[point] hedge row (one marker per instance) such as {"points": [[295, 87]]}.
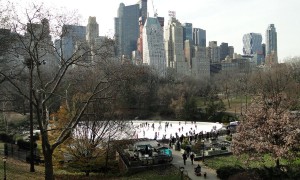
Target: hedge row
{"points": [[21, 143], [264, 173], [6, 138]]}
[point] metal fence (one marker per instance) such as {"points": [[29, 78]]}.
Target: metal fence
{"points": [[13, 150]]}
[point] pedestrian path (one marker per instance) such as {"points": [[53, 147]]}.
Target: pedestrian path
{"points": [[189, 168]]}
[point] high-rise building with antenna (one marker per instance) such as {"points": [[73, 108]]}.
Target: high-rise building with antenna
{"points": [[271, 45]]}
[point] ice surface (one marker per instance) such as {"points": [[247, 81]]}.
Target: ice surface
{"points": [[141, 130]]}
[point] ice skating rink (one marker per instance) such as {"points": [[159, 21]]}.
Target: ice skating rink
{"points": [[166, 129]]}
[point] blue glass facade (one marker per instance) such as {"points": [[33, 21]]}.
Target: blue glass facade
{"points": [[252, 44], [271, 39], [71, 35], [143, 10], [188, 31], [199, 37], [127, 26]]}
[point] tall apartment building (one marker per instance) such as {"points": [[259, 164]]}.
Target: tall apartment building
{"points": [[230, 51], [199, 37], [224, 51], [188, 53], [252, 46], [92, 33], [200, 64], [263, 49], [252, 43], [127, 28], [153, 46], [161, 21], [143, 10], [213, 52], [40, 32], [83, 43], [138, 54], [271, 45], [187, 31], [71, 34], [174, 47], [9, 42], [92, 30]]}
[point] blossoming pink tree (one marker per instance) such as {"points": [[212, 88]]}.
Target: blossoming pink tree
{"points": [[268, 125]]}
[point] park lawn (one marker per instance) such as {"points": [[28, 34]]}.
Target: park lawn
{"points": [[16, 169], [169, 173], [235, 103], [200, 102]]}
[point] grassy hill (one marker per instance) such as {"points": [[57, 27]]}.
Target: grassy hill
{"points": [[16, 170]]}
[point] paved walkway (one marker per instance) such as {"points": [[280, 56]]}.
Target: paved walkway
{"points": [[189, 168]]}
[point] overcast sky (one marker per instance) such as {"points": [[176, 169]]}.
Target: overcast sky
{"points": [[223, 20]]}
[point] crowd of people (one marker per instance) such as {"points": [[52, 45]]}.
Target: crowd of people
{"points": [[175, 129], [179, 134]]}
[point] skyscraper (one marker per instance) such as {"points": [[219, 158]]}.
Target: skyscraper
{"points": [[187, 31], [161, 21], [40, 33], [174, 47], [224, 51], [92, 30], [71, 35], [252, 43], [263, 49], [138, 54], [271, 44], [200, 64], [230, 51], [253, 47], [127, 28], [143, 10], [153, 46], [199, 37], [213, 52]]}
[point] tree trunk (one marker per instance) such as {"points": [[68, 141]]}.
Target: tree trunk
{"points": [[107, 150], [47, 152], [277, 163], [228, 101], [49, 174], [246, 101], [31, 118]]}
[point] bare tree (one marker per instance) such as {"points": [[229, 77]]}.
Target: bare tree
{"points": [[42, 64], [90, 143], [139, 93], [225, 79]]}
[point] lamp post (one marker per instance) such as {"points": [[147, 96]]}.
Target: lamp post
{"points": [[30, 65], [181, 172], [4, 167], [203, 150]]}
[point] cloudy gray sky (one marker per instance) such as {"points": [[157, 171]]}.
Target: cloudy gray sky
{"points": [[223, 20]]}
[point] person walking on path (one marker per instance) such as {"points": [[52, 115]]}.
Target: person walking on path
{"points": [[198, 169], [192, 156], [184, 156]]}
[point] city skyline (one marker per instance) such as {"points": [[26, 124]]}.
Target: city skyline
{"points": [[224, 21]]}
